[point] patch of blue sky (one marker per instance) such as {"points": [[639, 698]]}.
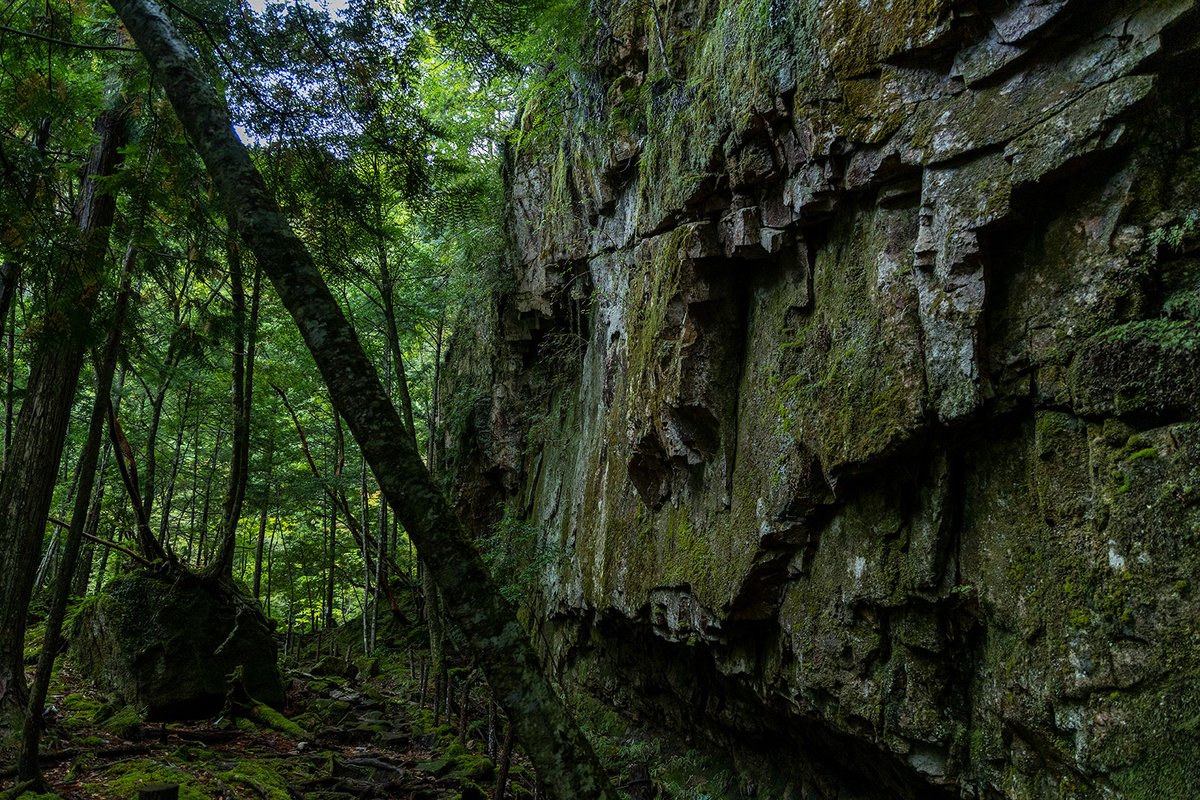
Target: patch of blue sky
{"points": [[333, 7]]}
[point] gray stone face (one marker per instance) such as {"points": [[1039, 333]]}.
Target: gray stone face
{"points": [[854, 375]]}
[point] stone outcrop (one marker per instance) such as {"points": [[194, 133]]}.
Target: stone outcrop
{"points": [[166, 643], [850, 359]]}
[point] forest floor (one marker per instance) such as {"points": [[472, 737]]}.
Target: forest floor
{"points": [[361, 728], [364, 735]]}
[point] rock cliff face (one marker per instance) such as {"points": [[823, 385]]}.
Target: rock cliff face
{"points": [[850, 361]]}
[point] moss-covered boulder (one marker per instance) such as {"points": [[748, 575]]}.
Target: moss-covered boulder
{"points": [[125, 724], [166, 642]]}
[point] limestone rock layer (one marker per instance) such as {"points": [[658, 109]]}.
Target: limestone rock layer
{"points": [[848, 363]]}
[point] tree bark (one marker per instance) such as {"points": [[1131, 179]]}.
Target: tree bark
{"points": [[201, 549], [235, 491], [262, 538], [27, 756], [11, 363], [336, 496], [127, 466], [10, 273], [28, 484], [431, 459], [169, 495], [192, 501], [83, 573], [437, 643], [504, 763], [386, 288], [156, 404], [366, 518], [558, 749], [329, 564]]}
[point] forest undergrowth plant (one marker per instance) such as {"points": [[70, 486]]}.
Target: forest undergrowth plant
{"points": [[634, 754], [518, 553], [1172, 236]]}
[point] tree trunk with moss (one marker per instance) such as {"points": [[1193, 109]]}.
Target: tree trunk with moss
{"points": [[27, 757], [558, 749], [28, 484]]}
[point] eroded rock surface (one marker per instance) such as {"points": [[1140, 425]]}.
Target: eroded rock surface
{"points": [[852, 362]]}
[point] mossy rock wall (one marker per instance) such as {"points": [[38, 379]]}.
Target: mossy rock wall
{"points": [[851, 362], [166, 643]]}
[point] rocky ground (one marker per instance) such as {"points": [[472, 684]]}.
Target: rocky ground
{"points": [[356, 728], [351, 726]]}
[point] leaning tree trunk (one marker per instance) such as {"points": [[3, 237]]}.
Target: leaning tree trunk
{"points": [[559, 751], [28, 484]]}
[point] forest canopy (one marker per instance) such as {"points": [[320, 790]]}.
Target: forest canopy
{"points": [[137, 294], [382, 145]]}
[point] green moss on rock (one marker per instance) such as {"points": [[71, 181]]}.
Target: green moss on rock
{"points": [[1147, 366], [122, 781], [261, 777], [166, 643], [125, 724]]}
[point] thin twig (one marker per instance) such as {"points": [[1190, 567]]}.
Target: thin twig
{"points": [[63, 524], [661, 47], [65, 43]]}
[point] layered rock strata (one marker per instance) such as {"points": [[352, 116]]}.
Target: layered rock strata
{"points": [[849, 363]]}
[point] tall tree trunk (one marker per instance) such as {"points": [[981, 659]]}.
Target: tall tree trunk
{"points": [[387, 287], [235, 491], [258, 551], [10, 273], [28, 484], [558, 749], [262, 520], [505, 762], [366, 517], [83, 573], [11, 280], [195, 484], [271, 563], [156, 407], [27, 757], [335, 495], [127, 466], [169, 495], [431, 458], [11, 365], [329, 563], [437, 643], [201, 550]]}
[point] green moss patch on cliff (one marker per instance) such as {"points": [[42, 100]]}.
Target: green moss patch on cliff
{"points": [[1149, 366], [853, 383]]}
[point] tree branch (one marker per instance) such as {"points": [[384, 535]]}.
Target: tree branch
{"points": [[76, 45], [111, 545]]}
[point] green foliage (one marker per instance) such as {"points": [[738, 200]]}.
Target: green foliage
{"points": [[382, 130], [1171, 236], [1169, 334], [518, 552], [677, 771]]}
